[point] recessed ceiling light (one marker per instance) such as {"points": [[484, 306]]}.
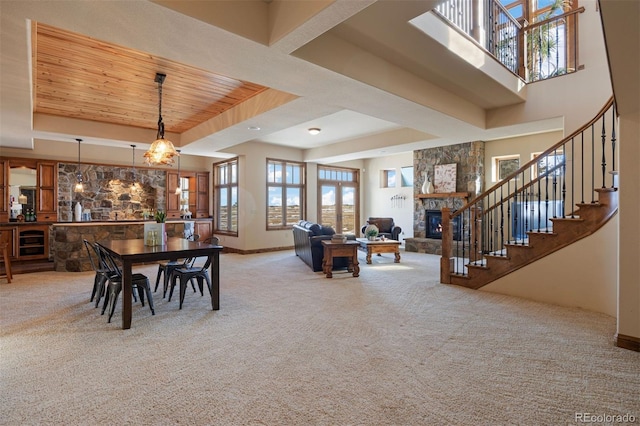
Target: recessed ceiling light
{"points": [[314, 130], [253, 128]]}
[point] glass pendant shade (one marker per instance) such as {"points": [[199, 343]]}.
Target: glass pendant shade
{"points": [[161, 152]]}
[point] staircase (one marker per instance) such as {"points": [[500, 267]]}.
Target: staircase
{"points": [[536, 210]]}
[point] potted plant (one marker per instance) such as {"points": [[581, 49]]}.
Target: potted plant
{"points": [[160, 216], [371, 232]]}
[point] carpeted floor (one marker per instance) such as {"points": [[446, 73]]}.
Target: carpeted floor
{"points": [[290, 347]]}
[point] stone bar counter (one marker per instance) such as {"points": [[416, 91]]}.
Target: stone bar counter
{"points": [[67, 248]]}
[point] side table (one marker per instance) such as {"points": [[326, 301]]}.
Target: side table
{"points": [[348, 249]]}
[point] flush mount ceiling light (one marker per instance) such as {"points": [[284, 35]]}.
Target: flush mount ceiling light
{"points": [[162, 150], [79, 186], [314, 131]]}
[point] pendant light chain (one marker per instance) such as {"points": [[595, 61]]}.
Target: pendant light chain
{"points": [[160, 134]]}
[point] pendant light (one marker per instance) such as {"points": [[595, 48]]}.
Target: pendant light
{"points": [[133, 164], [79, 185], [178, 189], [162, 150]]}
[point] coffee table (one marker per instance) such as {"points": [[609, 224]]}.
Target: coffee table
{"points": [[380, 246]]}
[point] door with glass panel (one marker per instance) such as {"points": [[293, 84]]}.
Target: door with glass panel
{"points": [[338, 199]]}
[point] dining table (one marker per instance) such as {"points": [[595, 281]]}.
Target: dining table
{"points": [[135, 251]]}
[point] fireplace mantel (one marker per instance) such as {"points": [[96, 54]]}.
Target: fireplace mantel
{"points": [[464, 195]]}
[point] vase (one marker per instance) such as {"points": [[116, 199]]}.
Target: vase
{"points": [[427, 186], [78, 212]]}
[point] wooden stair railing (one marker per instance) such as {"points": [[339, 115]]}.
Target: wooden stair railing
{"points": [[536, 210]]}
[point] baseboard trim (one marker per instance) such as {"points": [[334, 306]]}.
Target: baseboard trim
{"points": [[628, 342], [263, 250]]}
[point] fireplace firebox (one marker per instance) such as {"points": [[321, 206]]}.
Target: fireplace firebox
{"points": [[434, 225]]}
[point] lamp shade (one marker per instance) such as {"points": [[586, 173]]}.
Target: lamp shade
{"points": [[161, 152]]}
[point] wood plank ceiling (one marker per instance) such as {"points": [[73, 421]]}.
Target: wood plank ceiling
{"points": [[79, 77]]}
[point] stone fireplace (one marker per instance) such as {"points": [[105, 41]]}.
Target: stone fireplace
{"points": [[469, 160]]}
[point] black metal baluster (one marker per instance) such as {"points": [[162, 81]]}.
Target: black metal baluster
{"points": [[546, 199], [539, 196], [515, 208], [501, 245], [593, 162], [582, 168], [604, 159], [614, 121], [573, 203], [563, 177]]}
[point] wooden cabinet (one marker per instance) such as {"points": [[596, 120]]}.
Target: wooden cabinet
{"points": [[202, 195], [26, 242], [42, 192], [173, 199], [8, 234], [47, 207], [203, 228], [194, 195], [33, 242]]}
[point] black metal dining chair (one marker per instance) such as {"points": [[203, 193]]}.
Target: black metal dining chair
{"points": [[167, 268], [101, 270], [140, 282], [187, 274]]}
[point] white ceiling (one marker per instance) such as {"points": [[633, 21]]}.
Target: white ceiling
{"points": [[364, 74]]}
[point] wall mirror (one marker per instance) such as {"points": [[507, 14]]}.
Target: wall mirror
{"points": [[22, 190]]}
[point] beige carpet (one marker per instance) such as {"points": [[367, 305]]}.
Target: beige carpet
{"points": [[290, 347]]}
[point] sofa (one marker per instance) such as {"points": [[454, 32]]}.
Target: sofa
{"points": [[386, 227], [307, 241]]}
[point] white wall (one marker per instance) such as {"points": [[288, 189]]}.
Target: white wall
{"points": [[377, 201], [523, 146], [562, 278]]}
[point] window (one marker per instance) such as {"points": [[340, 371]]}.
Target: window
{"points": [[338, 199], [388, 179], [285, 193], [549, 41], [551, 164], [226, 196], [406, 176], [505, 165]]}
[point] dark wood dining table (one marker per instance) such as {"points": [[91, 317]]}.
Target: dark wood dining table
{"points": [[135, 251]]}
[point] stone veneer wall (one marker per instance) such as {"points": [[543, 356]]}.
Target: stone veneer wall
{"points": [[469, 158], [109, 190], [69, 253]]}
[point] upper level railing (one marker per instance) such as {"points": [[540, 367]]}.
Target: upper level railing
{"points": [[534, 51], [549, 186]]}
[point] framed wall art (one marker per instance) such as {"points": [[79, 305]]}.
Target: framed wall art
{"points": [[445, 178]]}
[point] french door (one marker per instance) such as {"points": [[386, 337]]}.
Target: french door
{"points": [[338, 201]]}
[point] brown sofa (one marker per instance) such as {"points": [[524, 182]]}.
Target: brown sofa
{"points": [[386, 227]]}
